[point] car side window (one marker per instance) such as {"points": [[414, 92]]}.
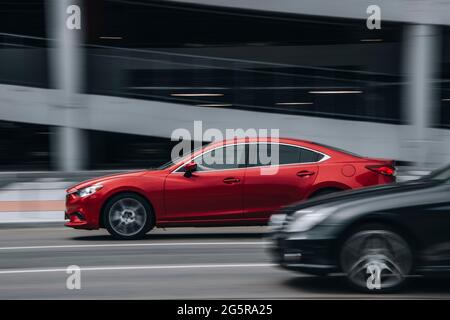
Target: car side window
{"points": [[261, 155], [310, 156], [228, 157]]}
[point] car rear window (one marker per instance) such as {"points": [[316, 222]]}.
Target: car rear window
{"points": [[289, 155], [338, 149]]}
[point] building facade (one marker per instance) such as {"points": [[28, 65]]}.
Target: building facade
{"points": [[110, 95]]}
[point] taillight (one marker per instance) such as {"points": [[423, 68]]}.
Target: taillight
{"points": [[382, 169]]}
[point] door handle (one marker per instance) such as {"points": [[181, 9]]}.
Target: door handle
{"points": [[231, 180], [305, 173]]}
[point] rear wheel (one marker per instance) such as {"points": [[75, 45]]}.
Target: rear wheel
{"points": [[128, 216], [376, 259]]}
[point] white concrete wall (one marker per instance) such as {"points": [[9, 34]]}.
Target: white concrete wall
{"points": [[411, 11], [155, 118]]}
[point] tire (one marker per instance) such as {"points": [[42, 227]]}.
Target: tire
{"points": [[376, 259], [128, 216]]}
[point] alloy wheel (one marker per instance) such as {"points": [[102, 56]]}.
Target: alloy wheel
{"points": [[127, 216]]}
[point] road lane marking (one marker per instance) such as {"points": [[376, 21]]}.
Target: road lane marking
{"points": [[153, 267], [80, 246]]}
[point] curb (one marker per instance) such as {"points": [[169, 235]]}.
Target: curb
{"points": [[26, 219], [32, 224]]}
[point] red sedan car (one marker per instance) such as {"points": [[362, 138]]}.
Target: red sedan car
{"points": [[194, 191]]}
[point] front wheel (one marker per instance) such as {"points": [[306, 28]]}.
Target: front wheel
{"points": [[376, 260], [128, 216]]}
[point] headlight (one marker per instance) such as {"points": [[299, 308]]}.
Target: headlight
{"points": [[306, 219], [276, 221], [89, 190]]}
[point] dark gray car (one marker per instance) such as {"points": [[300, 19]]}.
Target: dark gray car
{"points": [[377, 236]]}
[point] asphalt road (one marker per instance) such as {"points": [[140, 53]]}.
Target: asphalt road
{"points": [[187, 263]]}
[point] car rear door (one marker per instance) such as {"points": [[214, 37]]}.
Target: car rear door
{"points": [[288, 181]]}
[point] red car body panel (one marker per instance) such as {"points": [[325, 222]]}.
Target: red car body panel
{"points": [[241, 196], [204, 195], [263, 193]]}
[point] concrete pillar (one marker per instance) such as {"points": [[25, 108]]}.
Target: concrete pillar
{"points": [[66, 66], [421, 56]]}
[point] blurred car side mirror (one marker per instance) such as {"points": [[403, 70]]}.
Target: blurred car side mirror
{"points": [[189, 168]]}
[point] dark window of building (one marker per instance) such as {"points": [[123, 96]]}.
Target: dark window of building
{"points": [[127, 151], [203, 56], [24, 146], [23, 44], [443, 116]]}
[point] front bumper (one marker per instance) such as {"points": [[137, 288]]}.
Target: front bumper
{"points": [[76, 221], [82, 213], [314, 256]]}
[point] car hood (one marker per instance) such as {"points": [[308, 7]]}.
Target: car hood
{"points": [[105, 178], [370, 194]]}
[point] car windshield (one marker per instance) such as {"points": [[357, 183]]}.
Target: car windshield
{"points": [[179, 159], [441, 174], [168, 164]]}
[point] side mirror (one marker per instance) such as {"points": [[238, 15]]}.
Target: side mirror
{"points": [[189, 168]]}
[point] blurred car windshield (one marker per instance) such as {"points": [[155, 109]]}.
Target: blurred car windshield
{"points": [[441, 174]]}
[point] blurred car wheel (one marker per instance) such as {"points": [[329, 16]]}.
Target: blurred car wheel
{"points": [[376, 259], [128, 216]]}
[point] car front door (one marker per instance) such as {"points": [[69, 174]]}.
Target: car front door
{"points": [[213, 193], [286, 182]]}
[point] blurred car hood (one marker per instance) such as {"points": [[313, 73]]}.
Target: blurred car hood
{"points": [[363, 194]]}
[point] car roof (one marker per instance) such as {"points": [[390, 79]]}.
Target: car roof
{"points": [[261, 139], [282, 140], [331, 151]]}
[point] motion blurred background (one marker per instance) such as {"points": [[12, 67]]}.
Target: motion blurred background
{"points": [[74, 103]]}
